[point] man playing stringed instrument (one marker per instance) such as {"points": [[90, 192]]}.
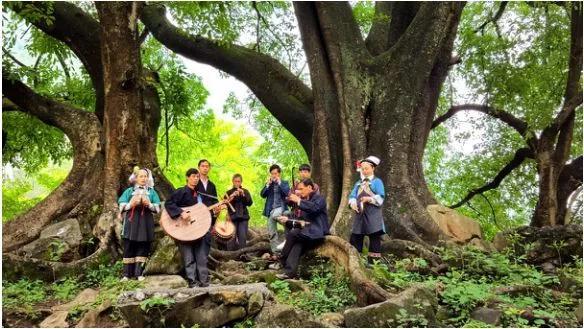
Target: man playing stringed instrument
{"points": [[193, 253]]}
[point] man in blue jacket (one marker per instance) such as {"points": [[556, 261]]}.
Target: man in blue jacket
{"points": [[275, 193], [307, 232]]}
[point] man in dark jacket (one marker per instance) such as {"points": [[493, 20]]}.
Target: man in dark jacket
{"points": [[209, 196], [307, 232], [275, 193], [241, 199]]}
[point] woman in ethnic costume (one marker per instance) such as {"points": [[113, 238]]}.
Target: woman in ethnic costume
{"points": [[138, 204], [366, 200]]}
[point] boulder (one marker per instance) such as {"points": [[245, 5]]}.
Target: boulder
{"points": [[165, 282], [458, 227], [213, 306], [57, 242], [332, 319], [487, 315], [91, 318], [418, 300], [165, 259], [56, 320], [286, 316]]}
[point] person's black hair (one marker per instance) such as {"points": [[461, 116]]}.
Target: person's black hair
{"points": [[275, 166], [192, 171], [237, 176], [307, 182], [203, 160], [304, 166]]}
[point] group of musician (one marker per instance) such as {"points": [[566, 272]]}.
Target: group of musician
{"points": [[301, 209]]}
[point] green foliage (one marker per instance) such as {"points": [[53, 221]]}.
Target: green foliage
{"points": [[246, 323], [23, 295], [329, 292], [56, 250], [156, 302], [476, 279], [14, 198], [64, 290], [405, 319]]}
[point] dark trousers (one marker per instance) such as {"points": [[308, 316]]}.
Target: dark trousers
{"points": [[135, 255], [194, 255], [374, 241], [241, 233], [296, 244]]}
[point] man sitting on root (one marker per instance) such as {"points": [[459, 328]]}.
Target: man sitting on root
{"points": [[305, 233]]}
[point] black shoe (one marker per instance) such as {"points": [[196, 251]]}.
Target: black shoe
{"points": [[203, 284], [193, 284]]}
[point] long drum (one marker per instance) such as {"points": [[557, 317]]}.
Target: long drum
{"points": [[190, 229]]}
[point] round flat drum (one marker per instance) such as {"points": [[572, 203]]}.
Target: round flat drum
{"points": [[187, 230]]}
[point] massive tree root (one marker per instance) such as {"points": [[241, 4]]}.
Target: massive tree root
{"points": [[344, 255]]}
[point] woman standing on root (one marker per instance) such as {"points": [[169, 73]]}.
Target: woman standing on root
{"points": [[366, 200], [137, 205]]}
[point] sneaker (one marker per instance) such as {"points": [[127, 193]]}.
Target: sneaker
{"points": [[124, 279], [281, 246], [193, 284], [141, 278], [275, 266], [282, 276], [203, 284]]}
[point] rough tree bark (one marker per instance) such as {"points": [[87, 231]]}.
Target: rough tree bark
{"points": [[128, 127], [368, 97]]}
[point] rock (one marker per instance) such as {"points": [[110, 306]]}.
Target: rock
{"points": [[56, 320], [487, 315], [455, 225], [482, 244], [164, 282], [548, 268], [579, 311], [91, 317], [57, 242], [298, 285], [286, 316], [417, 300], [554, 244], [231, 267], [255, 303], [235, 297], [165, 259], [332, 319], [213, 306], [87, 296], [267, 276]]}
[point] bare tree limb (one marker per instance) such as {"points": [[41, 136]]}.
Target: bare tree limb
{"points": [[144, 35], [520, 156], [286, 96], [494, 18], [508, 118]]}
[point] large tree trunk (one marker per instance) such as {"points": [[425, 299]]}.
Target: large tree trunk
{"points": [[104, 153], [381, 105]]}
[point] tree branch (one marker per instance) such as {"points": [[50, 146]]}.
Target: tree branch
{"points": [[80, 32], [283, 94], [508, 118], [377, 40], [337, 22], [14, 59], [62, 116], [517, 160], [494, 18], [144, 35], [402, 15]]}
